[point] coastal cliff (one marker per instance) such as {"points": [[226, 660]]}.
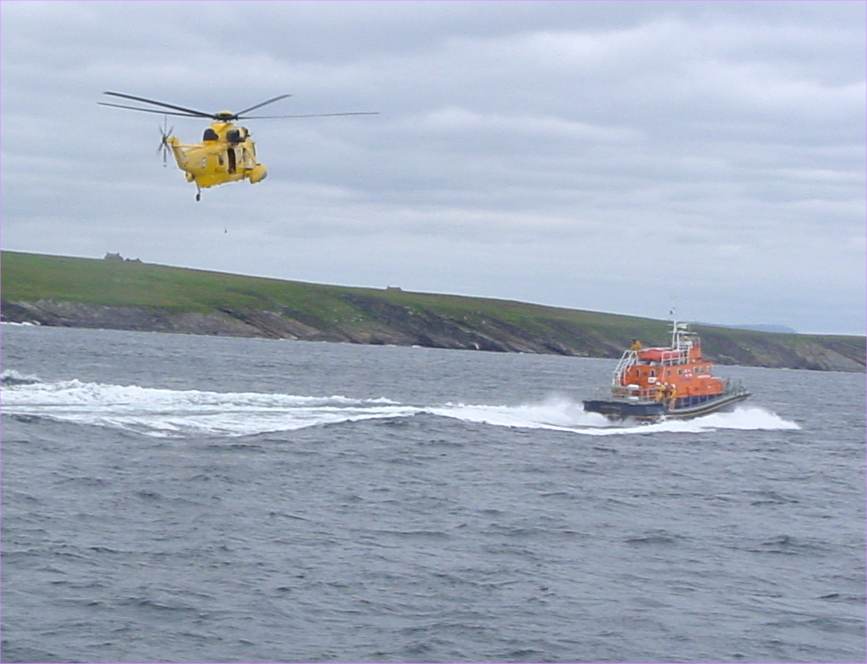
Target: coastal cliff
{"points": [[128, 295]]}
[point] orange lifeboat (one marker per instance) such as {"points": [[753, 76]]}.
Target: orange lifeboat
{"points": [[665, 382]]}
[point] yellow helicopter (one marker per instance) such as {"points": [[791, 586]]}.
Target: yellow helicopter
{"points": [[226, 153]]}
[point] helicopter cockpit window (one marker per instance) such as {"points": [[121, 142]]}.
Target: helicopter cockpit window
{"points": [[210, 135]]}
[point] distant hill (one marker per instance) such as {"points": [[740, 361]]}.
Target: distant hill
{"points": [[129, 295], [758, 327]]}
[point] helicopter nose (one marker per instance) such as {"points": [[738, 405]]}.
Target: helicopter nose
{"points": [[258, 173]]}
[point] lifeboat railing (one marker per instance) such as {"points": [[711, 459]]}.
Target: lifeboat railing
{"points": [[671, 357], [628, 359], [732, 387], [682, 342], [641, 393]]}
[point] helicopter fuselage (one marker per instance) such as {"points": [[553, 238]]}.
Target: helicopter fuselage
{"points": [[226, 154]]}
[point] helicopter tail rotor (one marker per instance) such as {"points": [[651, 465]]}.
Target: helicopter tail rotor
{"points": [[165, 132]]}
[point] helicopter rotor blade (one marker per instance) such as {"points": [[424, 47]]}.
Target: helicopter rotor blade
{"points": [[192, 111], [308, 115], [148, 110], [165, 132], [264, 103], [162, 147]]}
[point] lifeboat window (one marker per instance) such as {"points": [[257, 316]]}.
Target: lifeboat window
{"points": [[653, 372]]}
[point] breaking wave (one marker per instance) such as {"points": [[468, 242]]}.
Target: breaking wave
{"points": [[181, 413], [12, 377]]}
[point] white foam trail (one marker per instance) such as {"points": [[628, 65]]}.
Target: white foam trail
{"points": [[743, 418], [566, 415], [555, 413], [166, 412]]}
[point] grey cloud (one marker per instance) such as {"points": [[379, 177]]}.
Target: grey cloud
{"points": [[610, 156]]}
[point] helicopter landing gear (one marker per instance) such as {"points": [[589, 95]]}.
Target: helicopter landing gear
{"points": [[198, 194]]}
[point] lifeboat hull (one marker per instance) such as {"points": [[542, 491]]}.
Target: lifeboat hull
{"points": [[721, 403], [653, 411], [623, 409]]}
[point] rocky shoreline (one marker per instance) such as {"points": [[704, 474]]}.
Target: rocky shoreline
{"points": [[389, 323]]}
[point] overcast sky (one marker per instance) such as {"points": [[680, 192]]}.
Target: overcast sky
{"points": [[614, 156]]}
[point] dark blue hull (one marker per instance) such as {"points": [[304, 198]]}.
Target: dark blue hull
{"points": [[616, 409], [622, 409]]}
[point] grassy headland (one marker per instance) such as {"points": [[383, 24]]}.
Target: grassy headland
{"points": [[82, 292]]}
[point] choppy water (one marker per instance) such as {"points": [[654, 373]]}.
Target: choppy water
{"points": [[180, 498]]}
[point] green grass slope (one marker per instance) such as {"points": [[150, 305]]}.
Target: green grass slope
{"points": [[56, 290]]}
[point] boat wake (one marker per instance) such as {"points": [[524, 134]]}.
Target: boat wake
{"points": [[185, 413], [567, 415]]}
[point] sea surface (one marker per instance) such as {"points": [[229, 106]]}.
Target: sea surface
{"points": [[182, 498]]}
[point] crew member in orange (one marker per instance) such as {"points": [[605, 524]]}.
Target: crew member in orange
{"points": [[666, 392]]}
